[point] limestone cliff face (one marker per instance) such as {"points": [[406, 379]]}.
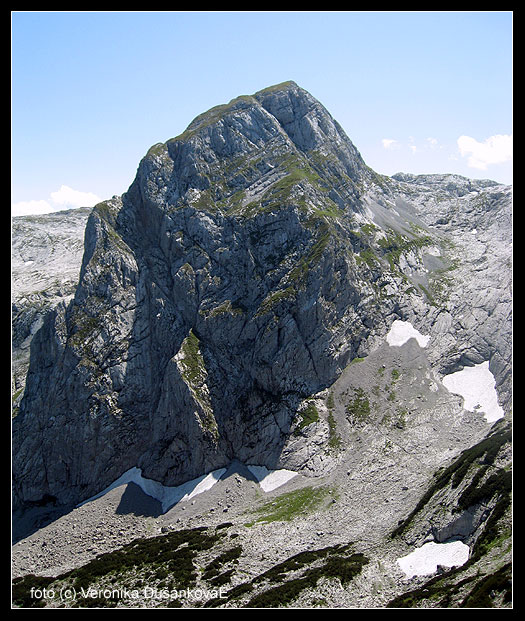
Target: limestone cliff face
{"points": [[252, 258], [46, 252]]}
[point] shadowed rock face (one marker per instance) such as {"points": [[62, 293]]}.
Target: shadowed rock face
{"points": [[252, 258], [46, 253]]}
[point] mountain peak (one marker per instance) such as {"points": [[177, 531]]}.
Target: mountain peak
{"points": [[215, 113], [251, 259], [247, 145], [281, 86]]}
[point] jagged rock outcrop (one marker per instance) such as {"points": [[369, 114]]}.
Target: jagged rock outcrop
{"points": [[252, 258]]}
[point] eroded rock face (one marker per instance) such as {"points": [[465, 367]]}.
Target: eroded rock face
{"points": [[252, 258], [46, 253]]}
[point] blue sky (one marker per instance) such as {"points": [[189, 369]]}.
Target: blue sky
{"points": [[420, 92]]}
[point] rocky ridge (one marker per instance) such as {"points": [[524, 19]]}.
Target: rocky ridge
{"points": [[233, 306], [46, 253]]}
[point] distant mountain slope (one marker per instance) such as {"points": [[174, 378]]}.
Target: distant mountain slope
{"points": [[46, 253]]}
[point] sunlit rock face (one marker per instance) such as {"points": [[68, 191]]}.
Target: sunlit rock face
{"points": [[251, 260]]}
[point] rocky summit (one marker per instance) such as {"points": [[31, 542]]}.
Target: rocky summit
{"points": [[261, 304]]}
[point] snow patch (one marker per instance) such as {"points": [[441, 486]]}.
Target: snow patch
{"points": [[424, 560], [167, 496], [403, 331], [271, 479], [477, 386]]}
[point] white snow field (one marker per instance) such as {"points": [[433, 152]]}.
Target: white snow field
{"points": [[424, 560], [167, 496], [402, 331], [271, 479], [477, 386]]}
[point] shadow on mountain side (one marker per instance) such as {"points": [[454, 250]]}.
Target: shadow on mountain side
{"points": [[136, 502], [28, 521]]}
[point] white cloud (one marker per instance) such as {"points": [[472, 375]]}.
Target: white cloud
{"points": [[389, 143], [494, 150], [64, 198], [73, 198]]}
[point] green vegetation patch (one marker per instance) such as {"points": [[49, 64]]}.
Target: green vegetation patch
{"points": [[308, 415], [213, 569], [83, 327], [358, 408], [193, 362], [293, 504], [334, 439], [24, 588], [297, 573], [274, 298], [297, 170], [395, 244], [175, 552], [225, 308], [486, 452], [275, 88], [193, 371], [299, 561], [368, 257], [345, 568], [299, 273], [485, 591], [498, 483], [171, 556], [472, 592], [208, 118]]}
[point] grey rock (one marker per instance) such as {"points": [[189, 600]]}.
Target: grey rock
{"points": [[46, 253], [251, 260]]}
